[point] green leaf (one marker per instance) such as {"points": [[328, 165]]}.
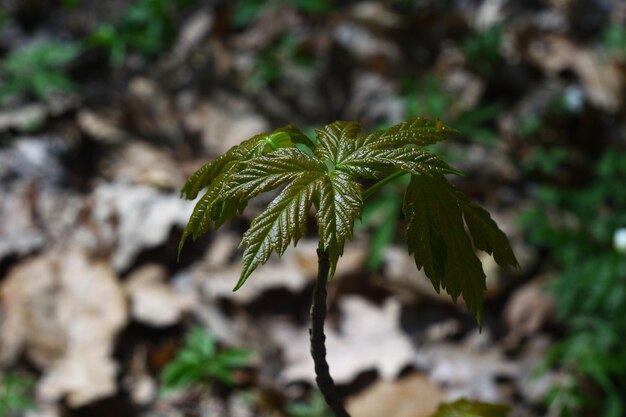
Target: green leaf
{"points": [[268, 172], [199, 361], [201, 341], [339, 205], [371, 161], [326, 172], [248, 149], [38, 69], [330, 140], [16, 394], [296, 135], [485, 232], [284, 220], [315, 407], [314, 6], [437, 238], [465, 408], [211, 207], [417, 131], [246, 12], [204, 176], [424, 237], [218, 176], [235, 358]]}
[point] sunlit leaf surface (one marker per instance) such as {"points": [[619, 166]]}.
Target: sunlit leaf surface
{"points": [[325, 173]]}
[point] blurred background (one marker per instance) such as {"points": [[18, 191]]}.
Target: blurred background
{"points": [[107, 106]]}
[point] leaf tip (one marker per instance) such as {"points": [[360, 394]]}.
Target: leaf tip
{"points": [[181, 243], [478, 315], [246, 271], [242, 279]]}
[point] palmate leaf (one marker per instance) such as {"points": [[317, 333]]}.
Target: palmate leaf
{"points": [[269, 171], [282, 222], [218, 176], [210, 171], [371, 161], [326, 173], [435, 213], [437, 238], [418, 131], [485, 232], [340, 203], [331, 140], [211, 207]]}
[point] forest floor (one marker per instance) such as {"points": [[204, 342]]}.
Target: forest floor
{"points": [[107, 107]]}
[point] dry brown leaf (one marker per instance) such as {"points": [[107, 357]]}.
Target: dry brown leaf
{"points": [[528, 310], [18, 232], [412, 396], [219, 282], [152, 300], [23, 117], [369, 338], [374, 98], [151, 110], [364, 44], [86, 374], [601, 78], [138, 382], [470, 369], [144, 164], [64, 310], [222, 123], [102, 125], [406, 281], [293, 271], [216, 278], [131, 218], [192, 33]]}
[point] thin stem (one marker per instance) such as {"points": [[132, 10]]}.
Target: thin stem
{"points": [[318, 339], [368, 193]]}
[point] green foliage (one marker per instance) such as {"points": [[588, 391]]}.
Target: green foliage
{"points": [[3, 18], [200, 361], [146, 26], [476, 123], [37, 70], [315, 407], [614, 40], [577, 227], [482, 50], [465, 408], [247, 11], [545, 160], [436, 211], [428, 97], [15, 394], [325, 173], [529, 125], [70, 4], [271, 61], [425, 97], [267, 70]]}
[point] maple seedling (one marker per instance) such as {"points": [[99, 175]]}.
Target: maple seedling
{"points": [[444, 228]]}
